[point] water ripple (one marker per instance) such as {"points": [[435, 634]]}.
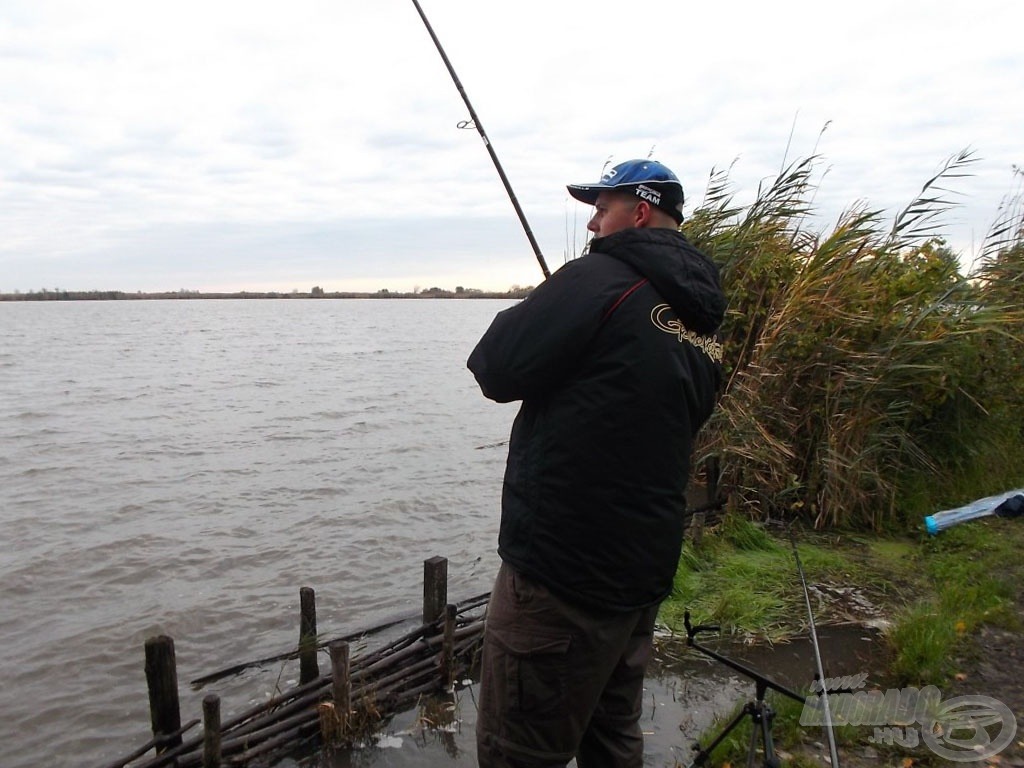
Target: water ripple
{"points": [[183, 468]]}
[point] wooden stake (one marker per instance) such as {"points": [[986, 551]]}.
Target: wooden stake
{"points": [[448, 648], [162, 679], [390, 678], [435, 588], [697, 528], [712, 471], [342, 683], [308, 668], [211, 731]]}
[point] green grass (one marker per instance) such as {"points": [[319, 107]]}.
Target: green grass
{"points": [[922, 641], [745, 579], [972, 572], [939, 591], [936, 590], [891, 552]]}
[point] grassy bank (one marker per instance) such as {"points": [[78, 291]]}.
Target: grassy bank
{"points": [[930, 595]]}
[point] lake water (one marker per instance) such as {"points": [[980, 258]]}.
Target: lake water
{"points": [[185, 467]]}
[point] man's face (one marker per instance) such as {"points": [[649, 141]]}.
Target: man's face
{"points": [[613, 211]]}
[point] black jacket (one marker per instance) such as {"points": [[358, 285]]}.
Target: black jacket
{"points": [[615, 360]]}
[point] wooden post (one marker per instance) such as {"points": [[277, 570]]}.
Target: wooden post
{"points": [[162, 679], [711, 475], [342, 683], [448, 648], [308, 668], [435, 588], [211, 731], [697, 528]]}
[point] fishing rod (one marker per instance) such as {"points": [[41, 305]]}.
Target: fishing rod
{"points": [[834, 753], [474, 121]]}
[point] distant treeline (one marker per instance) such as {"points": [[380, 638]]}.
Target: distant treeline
{"points": [[515, 292]]}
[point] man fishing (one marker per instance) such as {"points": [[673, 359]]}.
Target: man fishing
{"points": [[616, 362]]}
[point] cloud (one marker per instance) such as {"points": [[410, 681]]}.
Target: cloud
{"points": [[129, 126]]}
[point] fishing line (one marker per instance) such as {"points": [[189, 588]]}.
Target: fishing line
{"points": [[474, 122]]}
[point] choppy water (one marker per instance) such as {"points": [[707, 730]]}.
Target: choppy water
{"points": [[184, 467]]}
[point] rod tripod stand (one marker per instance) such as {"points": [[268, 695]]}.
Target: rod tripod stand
{"points": [[759, 711]]}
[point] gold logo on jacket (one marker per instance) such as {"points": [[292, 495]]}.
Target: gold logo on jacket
{"points": [[664, 320]]}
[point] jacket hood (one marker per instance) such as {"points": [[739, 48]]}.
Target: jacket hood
{"points": [[686, 278]]}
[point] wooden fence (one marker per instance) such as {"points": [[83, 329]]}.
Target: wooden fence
{"points": [[358, 694], [350, 702]]}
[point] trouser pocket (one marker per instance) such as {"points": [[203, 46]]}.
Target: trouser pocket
{"points": [[536, 672]]}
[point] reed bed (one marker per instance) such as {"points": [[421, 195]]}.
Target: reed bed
{"points": [[859, 360]]}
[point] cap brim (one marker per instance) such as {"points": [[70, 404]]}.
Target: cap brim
{"points": [[585, 194], [671, 203]]}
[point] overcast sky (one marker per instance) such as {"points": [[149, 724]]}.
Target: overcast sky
{"points": [[223, 145]]}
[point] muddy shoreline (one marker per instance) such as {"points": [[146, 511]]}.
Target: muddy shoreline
{"points": [[685, 692]]}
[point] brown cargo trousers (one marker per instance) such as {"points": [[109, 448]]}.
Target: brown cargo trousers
{"points": [[558, 681]]}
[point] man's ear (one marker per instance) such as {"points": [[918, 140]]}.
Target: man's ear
{"points": [[642, 215]]}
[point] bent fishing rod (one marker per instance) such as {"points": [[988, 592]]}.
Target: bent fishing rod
{"points": [[474, 122]]}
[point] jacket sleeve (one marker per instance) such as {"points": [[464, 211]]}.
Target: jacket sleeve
{"points": [[531, 347]]}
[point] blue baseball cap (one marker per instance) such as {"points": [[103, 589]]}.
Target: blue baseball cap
{"points": [[647, 179]]}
